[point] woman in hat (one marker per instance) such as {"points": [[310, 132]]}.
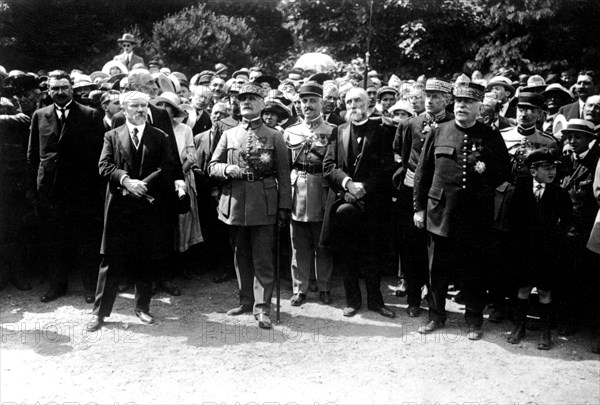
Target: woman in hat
{"points": [[189, 232]]}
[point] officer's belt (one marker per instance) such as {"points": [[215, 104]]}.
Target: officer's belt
{"points": [[308, 167], [252, 177]]}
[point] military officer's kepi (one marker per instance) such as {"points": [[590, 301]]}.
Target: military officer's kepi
{"points": [[435, 84], [252, 88], [311, 89], [465, 88], [531, 100], [541, 157]]}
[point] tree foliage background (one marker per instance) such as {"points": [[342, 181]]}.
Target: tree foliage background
{"points": [[407, 37]]}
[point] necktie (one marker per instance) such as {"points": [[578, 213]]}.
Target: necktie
{"points": [[127, 64], [136, 140], [538, 192], [61, 115]]}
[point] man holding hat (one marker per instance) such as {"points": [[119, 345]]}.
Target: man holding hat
{"points": [[64, 146], [582, 267], [408, 143], [357, 166], [462, 163], [525, 137], [308, 142], [251, 159], [128, 58], [136, 160]]}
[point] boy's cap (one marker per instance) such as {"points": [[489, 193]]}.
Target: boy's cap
{"points": [[542, 156]]}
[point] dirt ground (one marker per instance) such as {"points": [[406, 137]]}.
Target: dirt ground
{"points": [[197, 354]]}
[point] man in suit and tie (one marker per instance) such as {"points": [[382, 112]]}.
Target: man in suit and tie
{"points": [[331, 95], [252, 161], [584, 87], [141, 80], [358, 165], [136, 160], [128, 58], [64, 145]]}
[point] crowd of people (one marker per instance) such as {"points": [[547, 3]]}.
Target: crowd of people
{"points": [[491, 185]]}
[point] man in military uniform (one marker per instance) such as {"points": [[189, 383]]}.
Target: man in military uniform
{"points": [[462, 163], [408, 143], [308, 142], [525, 137], [252, 161]]}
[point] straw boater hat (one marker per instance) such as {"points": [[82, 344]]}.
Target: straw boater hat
{"points": [[535, 84], [579, 126]]}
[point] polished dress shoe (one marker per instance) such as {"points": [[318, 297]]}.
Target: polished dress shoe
{"points": [[228, 275], [95, 323], [413, 311], [51, 295], [431, 327], [264, 322], [242, 309], [325, 297], [170, 287], [475, 332], [385, 311], [298, 299], [144, 317], [349, 311]]}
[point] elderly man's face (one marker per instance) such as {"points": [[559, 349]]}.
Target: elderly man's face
{"points": [[591, 110], [60, 91], [435, 102], [356, 105], [136, 111], [466, 110], [311, 106], [584, 86], [251, 106], [528, 116]]}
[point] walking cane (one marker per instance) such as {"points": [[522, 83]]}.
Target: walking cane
{"points": [[277, 274]]}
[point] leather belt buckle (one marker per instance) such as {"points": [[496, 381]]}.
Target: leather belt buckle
{"points": [[250, 177]]}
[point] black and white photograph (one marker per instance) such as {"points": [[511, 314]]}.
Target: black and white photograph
{"points": [[321, 202]]}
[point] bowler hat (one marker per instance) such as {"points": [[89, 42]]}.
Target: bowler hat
{"points": [[273, 81], [18, 84], [528, 99]]}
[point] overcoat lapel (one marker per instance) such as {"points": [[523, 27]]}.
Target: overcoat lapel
{"points": [[125, 145], [345, 143]]}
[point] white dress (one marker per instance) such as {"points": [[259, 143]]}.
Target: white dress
{"points": [[188, 232]]}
